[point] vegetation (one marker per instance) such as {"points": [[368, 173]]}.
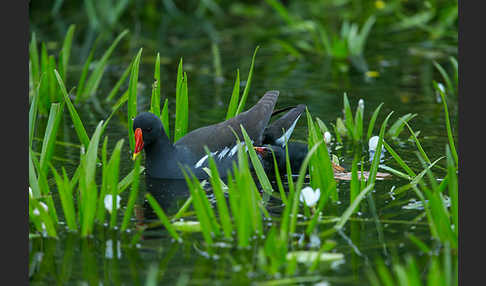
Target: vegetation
{"points": [[256, 227]]}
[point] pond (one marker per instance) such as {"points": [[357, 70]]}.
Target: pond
{"points": [[396, 69]]}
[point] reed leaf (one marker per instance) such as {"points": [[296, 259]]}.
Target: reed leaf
{"points": [[376, 158], [84, 74], [257, 165], [118, 84], [235, 95], [372, 121], [95, 77], [66, 51], [164, 117], [133, 195], [448, 125], [88, 188], [155, 100], [67, 199], [78, 124], [353, 206], [397, 127], [132, 98], [224, 215], [112, 180], [162, 217], [241, 105], [48, 144], [34, 60], [182, 106]]}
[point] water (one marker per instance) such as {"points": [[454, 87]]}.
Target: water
{"points": [[404, 85]]}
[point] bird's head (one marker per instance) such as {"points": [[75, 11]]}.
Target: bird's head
{"points": [[148, 128]]}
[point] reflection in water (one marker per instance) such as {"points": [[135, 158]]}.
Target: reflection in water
{"points": [[169, 193]]}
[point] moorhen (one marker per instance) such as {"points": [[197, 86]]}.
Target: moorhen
{"points": [[164, 159], [297, 153]]}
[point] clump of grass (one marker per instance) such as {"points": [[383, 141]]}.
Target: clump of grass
{"points": [[82, 187], [439, 271], [43, 77]]}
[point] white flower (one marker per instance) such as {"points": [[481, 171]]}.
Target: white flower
{"points": [[361, 103], [109, 202], [327, 137], [310, 196], [44, 206], [372, 145], [441, 87]]}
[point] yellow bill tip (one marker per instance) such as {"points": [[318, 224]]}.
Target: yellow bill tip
{"points": [[135, 155]]}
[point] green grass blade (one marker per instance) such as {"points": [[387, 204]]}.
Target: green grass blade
{"points": [[48, 144], [241, 105], [417, 143], [34, 107], [235, 96], [127, 181], [399, 160], [257, 165], [448, 125], [281, 11], [162, 217], [112, 180], [281, 189], [34, 60], [95, 77], [352, 207], [453, 189], [118, 84], [372, 121], [445, 76], [183, 209], [33, 181], [164, 117], [182, 109], [299, 185], [376, 158], [67, 200], [80, 93], [224, 215], [349, 121], [397, 127], [88, 186], [155, 100], [78, 124], [133, 195], [66, 51], [132, 98]]}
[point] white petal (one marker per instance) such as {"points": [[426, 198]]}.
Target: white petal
{"points": [[309, 196], [44, 206], [327, 137], [109, 202], [373, 143], [361, 103]]}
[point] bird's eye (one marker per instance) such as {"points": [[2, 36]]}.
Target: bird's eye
{"points": [[149, 129]]}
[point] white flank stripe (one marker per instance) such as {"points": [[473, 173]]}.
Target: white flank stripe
{"points": [[223, 153], [201, 161], [282, 140]]}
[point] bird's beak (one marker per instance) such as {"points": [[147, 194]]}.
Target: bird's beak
{"points": [[138, 143], [260, 150]]}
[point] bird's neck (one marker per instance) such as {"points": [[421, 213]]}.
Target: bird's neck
{"points": [[160, 152]]}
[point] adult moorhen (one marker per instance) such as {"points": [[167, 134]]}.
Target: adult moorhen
{"points": [[164, 159]]}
